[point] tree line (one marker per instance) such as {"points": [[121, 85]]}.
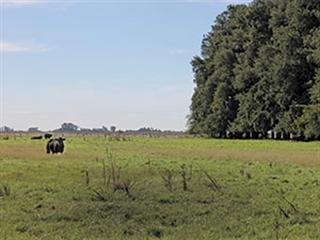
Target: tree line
{"points": [[259, 70]]}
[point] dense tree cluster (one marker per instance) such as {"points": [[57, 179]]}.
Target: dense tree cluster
{"points": [[259, 70]]}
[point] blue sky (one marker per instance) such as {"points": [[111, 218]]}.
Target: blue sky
{"points": [[95, 63]]}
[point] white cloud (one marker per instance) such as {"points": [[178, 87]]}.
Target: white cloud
{"points": [[60, 5], [19, 2], [12, 47]]}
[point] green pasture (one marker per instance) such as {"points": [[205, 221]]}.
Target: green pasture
{"points": [[167, 187]]}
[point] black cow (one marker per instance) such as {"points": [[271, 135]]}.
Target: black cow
{"points": [[55, 145], [47, 135], [36, 138]]}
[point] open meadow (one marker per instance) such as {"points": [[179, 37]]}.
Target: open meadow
{"points": [[166, 187]]}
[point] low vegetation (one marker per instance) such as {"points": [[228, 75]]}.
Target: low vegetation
{"points": [[168, 188]]}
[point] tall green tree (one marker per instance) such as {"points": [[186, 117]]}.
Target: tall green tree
{"points": [[259, 69]]}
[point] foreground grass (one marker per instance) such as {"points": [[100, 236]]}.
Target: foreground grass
{"points": [[258, 189]]}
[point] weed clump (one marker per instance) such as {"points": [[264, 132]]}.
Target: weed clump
{"points": [[156, 232], [168, 178], [212, 182], [22, 228], [186, 175], [5, 190], [113, 180]]}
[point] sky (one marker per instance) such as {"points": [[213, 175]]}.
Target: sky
{"points": [[101, 63]]}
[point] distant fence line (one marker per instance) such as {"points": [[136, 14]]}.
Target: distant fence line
{"points": [[271, 135], [294, 136]]}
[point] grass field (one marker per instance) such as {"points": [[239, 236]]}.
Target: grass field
{"points": [[168, 188]]}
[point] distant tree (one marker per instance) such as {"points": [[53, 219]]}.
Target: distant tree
{"points": [[6, 129], [69, 127], [33, 129], [148, 130], [113, 129]]}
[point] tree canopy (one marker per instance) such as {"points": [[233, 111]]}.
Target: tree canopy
{"points": [[259, 70]]}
